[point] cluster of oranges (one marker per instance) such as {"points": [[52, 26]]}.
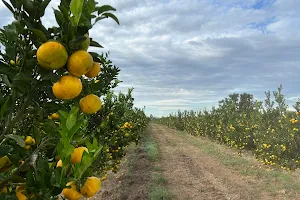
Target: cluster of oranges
{"points": [[6, 165], [273, 136], [294, 121], [126, 125], [29, 141], [266, 146], [21, 191], [91, 185], [53, 56], [89, 189], [54, 116]]}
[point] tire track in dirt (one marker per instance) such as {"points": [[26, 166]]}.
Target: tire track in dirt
{"points": [[191, 175]]}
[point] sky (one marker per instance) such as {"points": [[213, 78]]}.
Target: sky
{"points": [[189, 54]]}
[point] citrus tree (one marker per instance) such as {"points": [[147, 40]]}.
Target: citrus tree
{"points": [[61, 126], [268, 128]]}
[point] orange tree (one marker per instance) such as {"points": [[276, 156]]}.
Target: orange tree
{"points": [[56, 131], [267, 128]]}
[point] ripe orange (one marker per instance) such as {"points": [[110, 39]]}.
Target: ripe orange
{"points": [[77, 155], [54, 116], [91, 187], [79, 63], [29, 140], [21, 196], [94, 71], [71, 193], [19, 193], [90, 104], [68, 87], [52, 55]]}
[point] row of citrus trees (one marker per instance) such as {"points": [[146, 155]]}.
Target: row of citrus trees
{"points": [[61, 126], [267, 128]]}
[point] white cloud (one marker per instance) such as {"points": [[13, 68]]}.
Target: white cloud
{"points": [[188, 54]]}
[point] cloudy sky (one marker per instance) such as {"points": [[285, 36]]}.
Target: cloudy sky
{"points": [[189, 54]]}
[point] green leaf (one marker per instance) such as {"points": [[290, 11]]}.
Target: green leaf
{"points": [[49, 127], [74, 129], [64, 150], [57, 174], [30, 179], [6, 69], [98, 19], [85, 20], [10, 50], [74, 110], [85, 163], [86, 160], [47, 75], [8, 6], [71, 31], [3, 108], [59, 17], [94, 55], [105, 8], [18, 25], [71, 121], [76, 43], [22, 81], [39, 34], [95, 44], [63, 114], [95, 143], [76, 9], [22, 76], [37, 133], [17, 179], [65, 12], [97, 152], [4, 150], [29, 64], [41, 27], [90, 6], [28, 23], [18, 4], [44, 5], [81, 30], [42, 164], [89, 146], [29, 7], [12, 35], [17, 138], [111, 16]]}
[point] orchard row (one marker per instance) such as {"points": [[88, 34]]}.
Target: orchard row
{"points": [[268, 128]]}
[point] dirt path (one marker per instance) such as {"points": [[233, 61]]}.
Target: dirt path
{"points": [[192, 174], [132, 180]]}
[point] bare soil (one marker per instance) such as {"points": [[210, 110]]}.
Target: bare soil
{"points": [[131, 182]]}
